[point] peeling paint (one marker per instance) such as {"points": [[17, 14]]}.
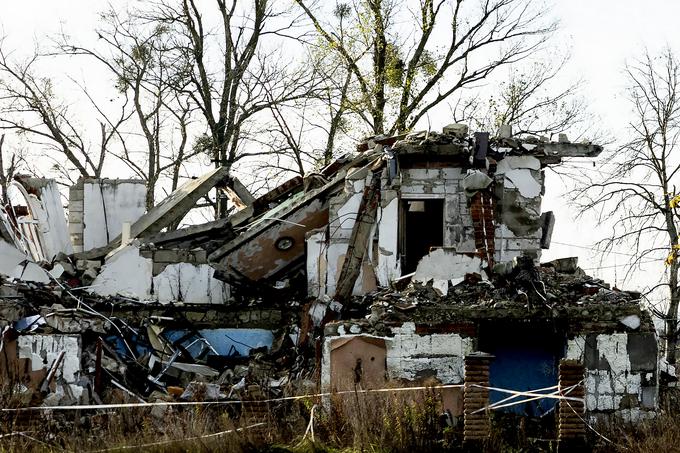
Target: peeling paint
{"points": [[107, 204], [191, 284], [125, 273]]}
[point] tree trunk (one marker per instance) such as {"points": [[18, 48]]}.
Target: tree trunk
{"points": [[379, 65], [672, 315]]}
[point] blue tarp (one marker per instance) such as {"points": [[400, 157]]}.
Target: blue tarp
{"points": [[522, 368], [226, 342]]}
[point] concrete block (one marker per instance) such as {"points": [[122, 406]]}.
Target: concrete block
{"points": [[413, 189], [458, 130], [441, 189], [75, 207], [393, 366], [394, 347], [405, 329], [75, 217], [168, 256], [158, 268], [612, 349], [650, 397], [576, 348], [146, 253], [75, 228], [604, 385], [76, 195], [408, 346], [443, 344], [467, 346], [423, 173], [522, 244], [590, 382], [452, 173], [605, 402], [591, 402], [200, 256], [244, 316], [627, 383]]}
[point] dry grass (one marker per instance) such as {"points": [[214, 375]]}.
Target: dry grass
{"points": [[385, 422], [398, 422], [658, 435], [128, 430]]}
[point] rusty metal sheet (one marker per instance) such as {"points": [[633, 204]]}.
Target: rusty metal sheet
{"points": [[260, 258]]}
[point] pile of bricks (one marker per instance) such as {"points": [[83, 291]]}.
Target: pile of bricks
{"points": [[572, 427], [476, 397]]}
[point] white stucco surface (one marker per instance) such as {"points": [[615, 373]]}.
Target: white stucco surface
{"points": [[190, 283], [107, 205]]}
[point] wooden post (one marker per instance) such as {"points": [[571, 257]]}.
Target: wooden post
{"points": [[476, 422], [360, 238]]}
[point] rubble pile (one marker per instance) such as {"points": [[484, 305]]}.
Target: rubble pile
{"points": [[403, 253], [559, 289], [110, 356]]}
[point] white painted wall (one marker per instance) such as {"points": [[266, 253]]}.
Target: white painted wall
{"points": [[127, 273], [107, 205], [43, 350], [191, 284], [606, 388], [54, 227], [316, 264], [46, 223], [16, 264], [389, 267]]}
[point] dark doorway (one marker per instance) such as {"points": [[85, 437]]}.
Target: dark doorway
{"points": [[421, 227]]}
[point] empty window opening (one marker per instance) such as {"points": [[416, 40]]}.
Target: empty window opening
{"points": [[421, 228]]}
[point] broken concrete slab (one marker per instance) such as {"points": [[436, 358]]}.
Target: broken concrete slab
{"points": [[563, 265], [42, 228], [190, 283], [168, 211], [443, 265], [125, 273], [15, 264], [105, 206], [475, 181], [458, 130], [239, 196]]}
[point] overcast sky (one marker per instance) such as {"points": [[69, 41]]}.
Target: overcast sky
{"points": [[601, 35]]}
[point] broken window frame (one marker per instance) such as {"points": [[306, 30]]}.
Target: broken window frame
{"points": [[403, 200]]}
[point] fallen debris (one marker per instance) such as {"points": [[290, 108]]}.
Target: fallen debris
{"points": [[394, 264]]}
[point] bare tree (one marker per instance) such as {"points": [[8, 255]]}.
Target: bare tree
{"points": [[30, 107], [303, 135], [138, 55], [231, 77], [532, 101], [402, 71], [7, 170], [638, 192]]}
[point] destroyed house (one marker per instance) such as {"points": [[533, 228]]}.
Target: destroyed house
{"points": [[415, 259]]}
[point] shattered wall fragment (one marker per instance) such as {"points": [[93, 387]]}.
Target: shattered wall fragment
{"points": [[38, 218], [99, 207], [491, 210], [129, 272]]}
